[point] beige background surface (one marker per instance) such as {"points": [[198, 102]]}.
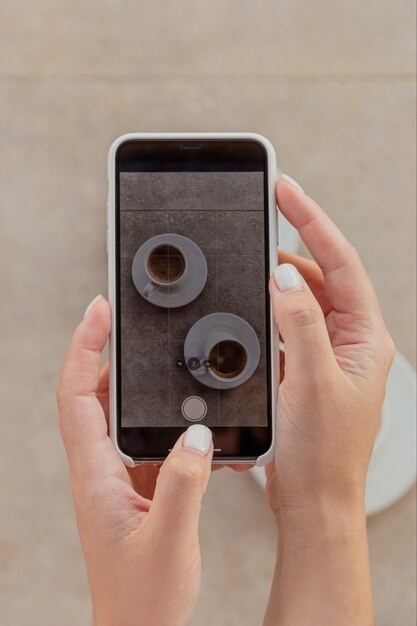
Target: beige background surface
{"points": [[332, 85]]}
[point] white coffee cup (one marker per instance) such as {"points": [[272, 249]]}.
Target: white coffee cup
{"points": [[226, 358], [166, 265]]}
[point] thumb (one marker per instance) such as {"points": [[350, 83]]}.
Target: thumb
{"points": [[301, 323], [182, 482]]}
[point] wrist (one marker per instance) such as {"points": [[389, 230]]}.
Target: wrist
{"points": [[321, 521], [101, 619], [322, 569]]}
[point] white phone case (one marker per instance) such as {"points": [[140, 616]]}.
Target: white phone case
{"points": [[273, 175]]}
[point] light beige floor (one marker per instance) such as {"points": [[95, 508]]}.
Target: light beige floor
{"points": [[332, 85]]}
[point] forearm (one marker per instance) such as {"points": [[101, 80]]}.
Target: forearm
{"points": [[322, 576]]}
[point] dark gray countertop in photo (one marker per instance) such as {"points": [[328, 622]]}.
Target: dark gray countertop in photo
{"points": [[222, 212]]}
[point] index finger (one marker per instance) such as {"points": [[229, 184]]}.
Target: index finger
{"points": [[348, 286]]}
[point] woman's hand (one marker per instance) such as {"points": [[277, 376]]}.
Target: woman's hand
{"points": [[337, 358], [142, 557]]}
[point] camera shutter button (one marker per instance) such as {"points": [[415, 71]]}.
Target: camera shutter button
{"points": [[194, 408]]}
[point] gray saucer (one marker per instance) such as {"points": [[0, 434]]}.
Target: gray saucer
{"points": [[221, 322], [193, 280]]}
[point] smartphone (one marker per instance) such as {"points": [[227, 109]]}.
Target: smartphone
{"points": [[192, 241]]}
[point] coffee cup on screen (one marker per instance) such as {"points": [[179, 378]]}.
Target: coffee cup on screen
{"points": [[166, 266], [226, 358]]}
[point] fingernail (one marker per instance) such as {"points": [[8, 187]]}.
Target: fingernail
{"points": [[287, 277], [292, 182], [92, 305], [198, 437]]}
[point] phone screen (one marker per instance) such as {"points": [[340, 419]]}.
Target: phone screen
{"points": [[192, 294]]}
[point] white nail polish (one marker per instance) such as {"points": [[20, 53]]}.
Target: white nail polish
{"points": [[287, 277], [91, 305], [292, 182], [198, 437]]}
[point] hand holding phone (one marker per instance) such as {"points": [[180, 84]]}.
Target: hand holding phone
{"points": [[337, 357], [142, 557]]}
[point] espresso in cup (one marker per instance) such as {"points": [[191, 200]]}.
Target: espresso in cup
{"points": [[227, 359], [166, 264]]}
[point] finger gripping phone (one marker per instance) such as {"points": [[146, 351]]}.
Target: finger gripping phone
{"points": [[192, 242]]}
